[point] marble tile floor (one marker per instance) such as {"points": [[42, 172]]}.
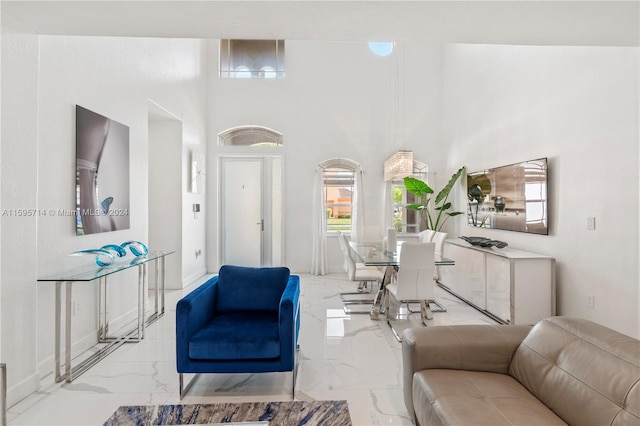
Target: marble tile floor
{"points": [[342, 357]]}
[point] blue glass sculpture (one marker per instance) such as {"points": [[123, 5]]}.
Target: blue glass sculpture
{"points": [[120, 252], [136, 247], [106, 254], [103, 257]]}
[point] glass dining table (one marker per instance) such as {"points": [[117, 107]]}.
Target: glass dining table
{"points": [[372, 254]]}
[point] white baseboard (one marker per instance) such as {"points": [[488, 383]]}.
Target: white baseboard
{"points": [[22, 389], [186, 281]]}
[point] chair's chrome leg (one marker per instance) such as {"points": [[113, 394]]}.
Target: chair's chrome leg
{"points": [[425, 312], [394, 331], [3, 394], [295, 371], [184, 389], [356, 301], [440, 307], [409, 307]]}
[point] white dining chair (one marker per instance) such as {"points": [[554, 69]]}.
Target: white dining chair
{"points": [[413, 283], [346, 251], [439, 239], [366, 276]]}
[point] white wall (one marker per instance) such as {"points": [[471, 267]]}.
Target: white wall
{"points": [[45, 78], [19, 173], [193, 227], [165, 185], [578, 106], [337, 100]]}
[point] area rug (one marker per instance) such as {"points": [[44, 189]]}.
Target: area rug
{"points": [[286, 413]]}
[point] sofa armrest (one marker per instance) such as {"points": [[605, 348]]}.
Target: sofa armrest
{"points": [[193, 311], [289, 316], [458, 347]]}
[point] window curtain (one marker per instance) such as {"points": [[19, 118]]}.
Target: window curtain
{"points": [[319, 250], [357, 211]]}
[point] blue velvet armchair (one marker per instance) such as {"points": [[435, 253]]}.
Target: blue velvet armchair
{"points": [[244, 320]]}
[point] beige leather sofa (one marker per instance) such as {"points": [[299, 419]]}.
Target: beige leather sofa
{"points": [[561, 371]]}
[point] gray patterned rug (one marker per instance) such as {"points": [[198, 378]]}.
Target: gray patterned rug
{"points": [[286, 413]]}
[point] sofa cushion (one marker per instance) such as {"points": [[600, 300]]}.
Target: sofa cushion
{"points": [[586, 373], [243, 288], [460, 397], [237, 335]]}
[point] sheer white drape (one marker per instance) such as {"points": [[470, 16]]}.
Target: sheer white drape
{"points": [[319, 260], [357, 211], [319, 217]]}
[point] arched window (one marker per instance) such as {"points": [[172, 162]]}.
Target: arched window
{"points": [[339, 176], [337, 206], [381, 48], [250, 136], [406, 220]]}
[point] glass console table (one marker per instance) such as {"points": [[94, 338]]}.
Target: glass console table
{"points": [[92, 274]]}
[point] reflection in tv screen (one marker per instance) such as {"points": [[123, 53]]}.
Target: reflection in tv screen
{"points": [[512, 198]]}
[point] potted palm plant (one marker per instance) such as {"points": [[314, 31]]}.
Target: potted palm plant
{"points": [[432, 218]]}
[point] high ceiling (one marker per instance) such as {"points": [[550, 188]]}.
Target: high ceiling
{"points": [[605, 23]]}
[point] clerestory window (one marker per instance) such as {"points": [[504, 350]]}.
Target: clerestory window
{"points": [[251, 58]]}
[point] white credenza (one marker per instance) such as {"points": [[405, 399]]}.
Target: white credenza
{"points": [[513, 286]]}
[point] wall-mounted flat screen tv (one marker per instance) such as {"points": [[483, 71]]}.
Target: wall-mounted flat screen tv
{"points": [[512, 197]]}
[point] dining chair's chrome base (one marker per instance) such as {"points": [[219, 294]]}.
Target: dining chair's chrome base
{"points": [[347, 301], [398, 326], [396, 333], [440, 307], [426, 313]]}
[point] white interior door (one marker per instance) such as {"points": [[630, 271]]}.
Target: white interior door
{"points": [[242, 211]]}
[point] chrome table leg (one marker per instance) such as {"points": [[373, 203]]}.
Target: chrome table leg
{"points": [[58, 326]]}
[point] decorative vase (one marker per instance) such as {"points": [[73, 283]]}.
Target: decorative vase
{"points": [[392, 240]]}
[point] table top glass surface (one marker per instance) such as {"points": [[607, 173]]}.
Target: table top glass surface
{"points": [[92, 272], [371, 254]]}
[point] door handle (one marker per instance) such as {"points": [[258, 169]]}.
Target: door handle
{"points": [[261, 223]]}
